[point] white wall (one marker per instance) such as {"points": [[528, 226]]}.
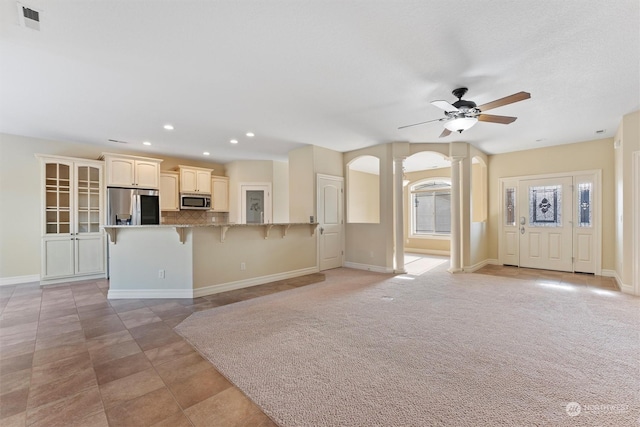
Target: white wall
{"points": [[628, 136]]}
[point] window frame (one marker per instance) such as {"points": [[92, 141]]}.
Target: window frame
{"points": [[412, 215]]}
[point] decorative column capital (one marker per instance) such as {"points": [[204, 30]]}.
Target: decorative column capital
{"points": [[458, 150]]}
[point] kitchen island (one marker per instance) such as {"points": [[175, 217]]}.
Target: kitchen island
{"points": [[189, 261]]}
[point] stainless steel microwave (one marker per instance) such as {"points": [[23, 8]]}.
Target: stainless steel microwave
{"points": [[195, 201]]}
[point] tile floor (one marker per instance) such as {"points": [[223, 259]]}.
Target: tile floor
{"points": [[70, 357], [551, 277]]}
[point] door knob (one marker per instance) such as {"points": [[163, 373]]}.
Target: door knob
{"points": [[321, 230], [521, 230]]}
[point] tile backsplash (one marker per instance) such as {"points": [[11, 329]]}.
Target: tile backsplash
{"points": [[194, 217]]}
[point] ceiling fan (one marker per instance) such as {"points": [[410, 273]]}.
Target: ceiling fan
{"points": [[461, 115]]}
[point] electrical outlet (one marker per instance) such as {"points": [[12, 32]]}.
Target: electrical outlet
{"points": [[371, 254], [243, 266], [160, 274]]}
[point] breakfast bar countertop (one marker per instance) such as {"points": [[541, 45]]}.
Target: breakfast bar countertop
{"points": [[112, 230]]}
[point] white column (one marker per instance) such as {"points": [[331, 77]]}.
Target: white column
{"points": [[455, 250], [399, 214]]}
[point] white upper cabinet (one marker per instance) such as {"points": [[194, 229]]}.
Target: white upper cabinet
{"points": [[169, 200], [132, 171], [195, 180], [220, 194]]}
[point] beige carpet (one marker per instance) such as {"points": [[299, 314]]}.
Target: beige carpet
{"points": [[366, 349]]}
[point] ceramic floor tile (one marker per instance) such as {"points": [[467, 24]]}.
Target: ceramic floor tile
{"points": [[62, 388], [16, 363], [17, 420], [198, 387], [148, 409], [114, 352], [121, 368], [60, 368], [166, 353], [229, 408], [130, 387], [42, 357], [13, 403], [182, 367], [14, 381], [9, 351], [65, 412], [97, 343], [179, 419], [138, 317], [73, 337], [58, 312]]}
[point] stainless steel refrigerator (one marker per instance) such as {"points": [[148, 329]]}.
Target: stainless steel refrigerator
{"points": [[132, 206]]}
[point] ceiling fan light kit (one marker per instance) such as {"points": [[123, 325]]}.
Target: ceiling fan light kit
{"points": [[463, 114], [460, 124]]}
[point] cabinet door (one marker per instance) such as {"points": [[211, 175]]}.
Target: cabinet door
{"points": [[147, 174], [88, 199], [188, 181], [220, 194], [89, 254], [169, 192], [204, 181], [58, 198], [121, 172], [57, 257]]}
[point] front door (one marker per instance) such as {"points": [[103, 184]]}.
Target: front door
{"points": [[545, 223], [330, 221]]}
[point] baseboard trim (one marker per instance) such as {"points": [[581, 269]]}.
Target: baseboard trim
{"points": [[479, 265], [72, 279], [16, 280], [149, 293], [368, 267], [627, 289], [239, 284], [426, 251]]}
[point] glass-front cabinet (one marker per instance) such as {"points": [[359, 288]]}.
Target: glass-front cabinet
{"points": [[72, 242]]}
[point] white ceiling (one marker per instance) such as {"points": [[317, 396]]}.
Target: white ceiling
{"points": [[337, 74]]}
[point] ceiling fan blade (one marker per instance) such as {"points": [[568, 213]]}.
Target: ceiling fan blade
{"points": [[444, 133], [505, 120], [421, 123], [520, 96], [446, 106]]}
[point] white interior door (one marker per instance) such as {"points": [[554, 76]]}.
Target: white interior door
{"points": [[255, 203], [545, 221], [330, 221]]}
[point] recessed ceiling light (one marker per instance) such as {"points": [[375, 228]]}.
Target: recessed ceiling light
{"points": [[206, 153], [168, 127], [251, 134], [146, 143], [234, 141]]}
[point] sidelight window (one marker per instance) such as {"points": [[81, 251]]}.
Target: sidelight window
{"points": [[584, 204]]}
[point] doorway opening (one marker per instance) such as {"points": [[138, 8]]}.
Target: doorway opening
{"points": [[255, 203], [552, 222]]}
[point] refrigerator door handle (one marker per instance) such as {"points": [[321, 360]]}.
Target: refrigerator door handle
{"points": [[135, 208]]}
